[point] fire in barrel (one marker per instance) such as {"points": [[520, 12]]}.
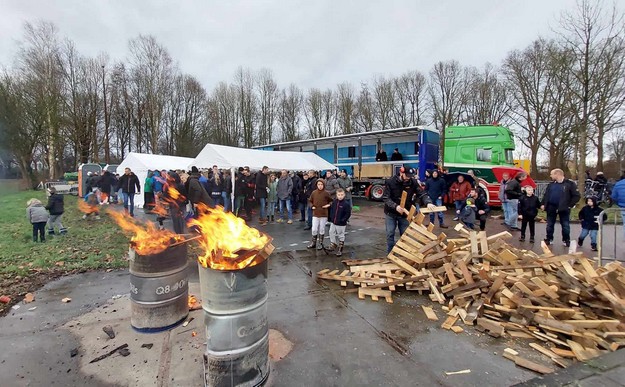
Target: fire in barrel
{"points": [[233, 280], [159, 287]]}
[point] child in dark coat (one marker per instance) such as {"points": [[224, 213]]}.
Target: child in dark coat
{"points": [[589, 215], [468, 214], [340, 211], [528, 209]]}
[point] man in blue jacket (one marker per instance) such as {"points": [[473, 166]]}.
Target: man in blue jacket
{"points": [[436, 188], [618, 195], [560, 196]]}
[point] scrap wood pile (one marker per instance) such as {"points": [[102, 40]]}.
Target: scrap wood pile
{"points": [[574, 308]]}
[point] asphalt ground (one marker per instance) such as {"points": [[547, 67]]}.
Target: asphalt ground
{"points": [[334, 338]]}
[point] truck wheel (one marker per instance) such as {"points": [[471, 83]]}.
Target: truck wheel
{"points": [[376, 192]]}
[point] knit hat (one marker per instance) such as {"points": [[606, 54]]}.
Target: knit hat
{"points": [[194, 169]]}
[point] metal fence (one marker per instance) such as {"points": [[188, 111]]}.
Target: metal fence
{"points": [[615, 237], [541, 186]]}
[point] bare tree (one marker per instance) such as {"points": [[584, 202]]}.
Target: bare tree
{"points": [[313, 111], [411, 92], [447, 86], [290, 108], [528, 80], [22, 125], [268, 101], [345, 108], [248, 105], [365, 110], [39, 64], [486, 97], [384, 101], [588, 32], [616, 147], [152, 74]]}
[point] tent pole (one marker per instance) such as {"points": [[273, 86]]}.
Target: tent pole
{"points": [[233, 178]]}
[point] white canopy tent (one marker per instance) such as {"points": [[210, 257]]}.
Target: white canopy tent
{"points": [[231, 157], [140, 163]]}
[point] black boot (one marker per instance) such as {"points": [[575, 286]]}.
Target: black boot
{"points": [[320, 245], [313, 242], [580, 242], [593, 246], [339, 250]]}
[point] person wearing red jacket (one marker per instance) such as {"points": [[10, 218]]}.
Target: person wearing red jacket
{"points": [[458, 192]]}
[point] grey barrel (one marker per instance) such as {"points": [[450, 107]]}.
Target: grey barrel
{"points": [[237, 332], [159, 289]]}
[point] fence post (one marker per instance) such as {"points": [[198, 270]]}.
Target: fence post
{"points": [[607, 211]]}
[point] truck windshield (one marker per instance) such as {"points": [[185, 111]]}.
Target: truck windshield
{"points": [[509, 158]]}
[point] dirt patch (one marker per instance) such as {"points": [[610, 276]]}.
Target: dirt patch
{"points": [[279, 346], [16, 286]]}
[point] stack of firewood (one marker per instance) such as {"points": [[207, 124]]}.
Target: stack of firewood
{"points": [[574, 308]]}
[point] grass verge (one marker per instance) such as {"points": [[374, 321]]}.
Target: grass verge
{"points": [[26, 265]]}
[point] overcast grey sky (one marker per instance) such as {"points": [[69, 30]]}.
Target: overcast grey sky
{"points": [[310, 43]]}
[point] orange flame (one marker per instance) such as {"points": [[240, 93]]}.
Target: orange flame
{"points": [[159, 208], [147, 239], [103, 197], [228, 242], [86, 207]]}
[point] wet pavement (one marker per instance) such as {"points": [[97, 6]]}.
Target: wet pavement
{"points": [[334, 338]]}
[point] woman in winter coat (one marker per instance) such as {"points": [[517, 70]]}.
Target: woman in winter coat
{"points": [[38, 217], [272, 196], [459, 191], [320, 201]]}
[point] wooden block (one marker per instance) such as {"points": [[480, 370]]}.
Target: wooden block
{"points": [[501, 235], [419, 218], [457, 329], [465, 272], [543, 286], [449, 322], [481, 237], [588, 267], [449, 272], [405, 266], [344, 273], [375, 293], [580, 352], [425, 210], [530, 365], [430, 227], [546, 251], [563, 352], [495, 329], [429, 313], [474, 246], [404, 197], [438, 296]]}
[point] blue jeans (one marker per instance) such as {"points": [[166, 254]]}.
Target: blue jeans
{"points": [[227, 201], [302, 209], [511, 212], [217, 200], [458, 205], [309, 215], [392, 222], [272, 209], [565, 222], [129, 202], [287, 203], [593, 235], [438, 202], [263, 206]]}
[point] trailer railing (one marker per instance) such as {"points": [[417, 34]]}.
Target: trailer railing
{"points": [[616, 236]]}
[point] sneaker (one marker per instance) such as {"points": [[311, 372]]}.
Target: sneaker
{"points": [[308, 228], [531, 240], [522, 239], [443, 226], [593, 247], [547, 241], [456, 218], [280, 220], [567, 243], [84, 216], [289, 221]]}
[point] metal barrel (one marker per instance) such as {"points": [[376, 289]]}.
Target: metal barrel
{"points": [[237, 332], [159, 289]]}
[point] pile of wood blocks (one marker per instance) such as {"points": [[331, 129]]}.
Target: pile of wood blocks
{"points": [[572, 307]]}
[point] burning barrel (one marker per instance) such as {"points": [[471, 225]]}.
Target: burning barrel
{"points": [[237, 333], [159, 289]]}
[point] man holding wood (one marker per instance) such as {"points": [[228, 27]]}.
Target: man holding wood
{"points": [[398, 191]]}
